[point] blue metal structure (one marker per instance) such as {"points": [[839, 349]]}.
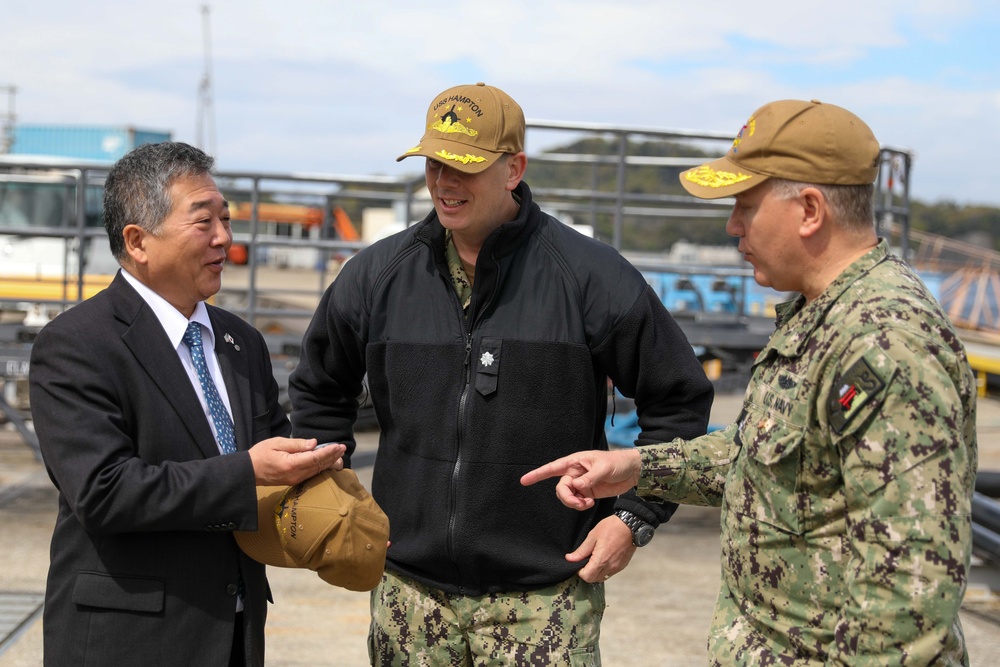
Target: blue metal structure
{"points": [[95, 142]]}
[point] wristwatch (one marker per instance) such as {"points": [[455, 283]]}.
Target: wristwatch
{"points": [[642, 532]]}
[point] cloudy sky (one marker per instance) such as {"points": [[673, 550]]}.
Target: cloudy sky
{"points": [[342, 87]]}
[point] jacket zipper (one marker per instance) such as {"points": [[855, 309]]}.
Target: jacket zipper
{"points": [[462, 404]]}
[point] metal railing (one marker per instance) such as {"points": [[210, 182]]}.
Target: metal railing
{"points": [[404, 193]]}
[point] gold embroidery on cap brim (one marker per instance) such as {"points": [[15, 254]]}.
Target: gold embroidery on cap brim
{"points": [[464, 159], [711, 178]]}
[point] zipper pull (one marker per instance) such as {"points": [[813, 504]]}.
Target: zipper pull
{"points": [[468, 350]]}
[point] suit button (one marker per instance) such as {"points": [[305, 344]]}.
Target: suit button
{"points": [[231, 526], [232, 589]]}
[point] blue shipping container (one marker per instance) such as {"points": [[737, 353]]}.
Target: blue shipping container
{"points": [[86, 142]]}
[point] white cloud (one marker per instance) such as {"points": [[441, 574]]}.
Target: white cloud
{"points": [[323, 85]]}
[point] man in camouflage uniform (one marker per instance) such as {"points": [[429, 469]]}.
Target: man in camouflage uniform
{"points": [[488, 332], [846, 482]]}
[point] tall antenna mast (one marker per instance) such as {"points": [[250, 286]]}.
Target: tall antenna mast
{"points": [[7, 121], [206, 116]]}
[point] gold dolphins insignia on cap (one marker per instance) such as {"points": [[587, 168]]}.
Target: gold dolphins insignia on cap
{"points": [[449, 124]]}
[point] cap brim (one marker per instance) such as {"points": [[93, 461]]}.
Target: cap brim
{"points": [[720, 178], [462, 157], [264, 544]]}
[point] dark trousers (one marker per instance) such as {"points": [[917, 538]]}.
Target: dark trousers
{"points": [[237, 657]]}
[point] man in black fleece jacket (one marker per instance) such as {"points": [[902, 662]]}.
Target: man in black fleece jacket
{"points": [[488, 332]]}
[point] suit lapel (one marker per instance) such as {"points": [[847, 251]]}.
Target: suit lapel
{"points": [[235, 366], [145, 338]]}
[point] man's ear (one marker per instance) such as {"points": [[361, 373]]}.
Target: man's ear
{"points": [[135, 238], [814, 211], [517, 163]]}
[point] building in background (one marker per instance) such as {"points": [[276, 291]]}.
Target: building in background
{"points": [[106, 143]]}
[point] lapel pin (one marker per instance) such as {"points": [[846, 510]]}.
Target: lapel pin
{"points": [[229, 339]]}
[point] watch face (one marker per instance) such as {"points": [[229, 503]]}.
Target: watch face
{"points": [[642, 535]]}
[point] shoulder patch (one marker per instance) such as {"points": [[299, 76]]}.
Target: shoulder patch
{"points": [[856, 387]]}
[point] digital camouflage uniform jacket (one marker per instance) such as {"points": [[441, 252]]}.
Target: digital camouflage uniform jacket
{"points": [[845, 484]]}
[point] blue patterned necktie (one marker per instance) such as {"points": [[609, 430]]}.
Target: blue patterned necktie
{"points": [[223, 423]]}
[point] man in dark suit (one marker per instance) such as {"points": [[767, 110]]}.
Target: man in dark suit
{"points": [[147, 435]]}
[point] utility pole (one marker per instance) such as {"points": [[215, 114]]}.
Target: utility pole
{"points": [[206, 115], [7, 121]]}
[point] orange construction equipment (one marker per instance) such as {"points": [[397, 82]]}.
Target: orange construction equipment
{"points": [[292, 214], [345, 228], [307, 216]]}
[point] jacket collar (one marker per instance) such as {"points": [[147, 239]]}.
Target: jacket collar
{"points": [[144, 335], [501, 242], [791, 340]]}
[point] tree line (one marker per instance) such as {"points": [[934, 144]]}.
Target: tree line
{"points": [[976, 224]]}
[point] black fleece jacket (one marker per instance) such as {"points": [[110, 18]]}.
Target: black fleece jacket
{"points": [[468, 404]]}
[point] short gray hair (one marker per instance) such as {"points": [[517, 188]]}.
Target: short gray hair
{"points": [[136, 189], [853, 206]]}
